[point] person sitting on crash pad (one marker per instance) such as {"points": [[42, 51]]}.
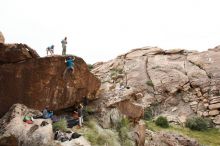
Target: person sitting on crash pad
{"points": [[47, 114]]}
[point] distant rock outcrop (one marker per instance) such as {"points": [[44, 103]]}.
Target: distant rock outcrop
{"points": [[38, 82], [176, 83], [15, 53], [2, 39]]}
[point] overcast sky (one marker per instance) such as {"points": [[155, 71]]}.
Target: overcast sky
{"points": [[100, 30]]}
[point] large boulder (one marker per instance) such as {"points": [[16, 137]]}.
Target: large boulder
{"points": [[38, 82], [2, 39]]}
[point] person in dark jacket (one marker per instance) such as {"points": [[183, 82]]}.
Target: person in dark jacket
{"points": [[47, 114], [80, 114]]}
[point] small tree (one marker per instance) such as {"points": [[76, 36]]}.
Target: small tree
{"points": [[162, 122], [197, 123], [150, 83], [90, 66], [60, 125], [148, 114]]}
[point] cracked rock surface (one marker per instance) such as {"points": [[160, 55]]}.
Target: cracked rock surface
{"points": [[177, 83]]}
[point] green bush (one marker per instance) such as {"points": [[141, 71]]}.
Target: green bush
{"points": [[120, 70], [162, 122], [197, 123], [123, 129], [209, 122], [150, 83], [90, 66], [98, 136], [60, 125], [124, 122], [148, 114]]}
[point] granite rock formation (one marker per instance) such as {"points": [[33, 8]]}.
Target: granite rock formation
{"points": [[175, 83]]}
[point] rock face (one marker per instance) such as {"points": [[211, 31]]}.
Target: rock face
{"points": [[139, 134], [15, 53], [16, 132], [38, 82], [176, 83], [2, 39]]}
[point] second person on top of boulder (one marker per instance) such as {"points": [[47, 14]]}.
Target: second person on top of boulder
{"points": [[64, 42], [50, 50]]}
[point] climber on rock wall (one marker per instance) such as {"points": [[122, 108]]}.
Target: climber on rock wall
{"points": [[69, 65]]}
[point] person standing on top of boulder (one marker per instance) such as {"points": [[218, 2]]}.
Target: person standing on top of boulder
{"points": [[69, 65], [64, 42]]}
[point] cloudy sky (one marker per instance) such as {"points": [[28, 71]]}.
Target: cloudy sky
{"points": [[99, 30]]}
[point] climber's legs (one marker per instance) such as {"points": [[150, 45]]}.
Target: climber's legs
{"points": [[69, 69]]}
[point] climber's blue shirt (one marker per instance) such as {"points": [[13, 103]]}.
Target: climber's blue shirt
{"points": [[69, 63]]}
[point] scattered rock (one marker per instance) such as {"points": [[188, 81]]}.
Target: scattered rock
{"points": [[213, 112], [217, 120], [205, 114], [174, 109], [214, 106], [214, 100], [131, 110]]}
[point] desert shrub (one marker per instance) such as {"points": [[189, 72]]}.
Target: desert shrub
{"points": [[123, 129], [155, 67], [113, 74], [98, 136], [124, 122], [197, 123], [90, 66], [209, 122], [162, 122], [120, 70], [150, 83], [148, 114], [60, 125]]}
